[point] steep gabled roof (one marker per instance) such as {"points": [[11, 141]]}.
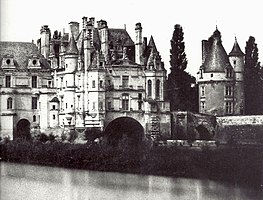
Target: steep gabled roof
{"points": [[151, 44], [120, 36], [236, 51], [217, 58]]}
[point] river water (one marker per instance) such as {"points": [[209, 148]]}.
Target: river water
{"points": [[29, 182]]}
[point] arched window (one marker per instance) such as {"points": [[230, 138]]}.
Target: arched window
{"points": [[157, 89], [34, 118], [9, 103], [149, 88]]}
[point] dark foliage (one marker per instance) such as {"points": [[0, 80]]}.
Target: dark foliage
{"points": [[181, 89], [253, 79], [236, 164]]}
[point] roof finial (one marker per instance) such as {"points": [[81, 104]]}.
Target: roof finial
{"points": [[235, 37]]}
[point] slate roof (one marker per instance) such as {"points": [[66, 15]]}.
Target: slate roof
{"points": [[120, 36], [152, 44], [72, 47], [22, 51], [55, 99], [236, 51], [217, 58]]}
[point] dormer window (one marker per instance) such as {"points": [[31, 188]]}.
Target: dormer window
{"points": [[33, 62], [8, 62]]}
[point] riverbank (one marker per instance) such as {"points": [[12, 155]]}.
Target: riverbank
{"points": [[235, 164]]}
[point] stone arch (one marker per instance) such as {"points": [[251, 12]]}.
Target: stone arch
{"points": [[23, 129], [203, 132], [124, 129]]}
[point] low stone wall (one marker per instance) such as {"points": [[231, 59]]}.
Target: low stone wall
{"points": [[240, 120]]}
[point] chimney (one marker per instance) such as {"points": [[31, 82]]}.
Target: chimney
{"points": [[138, 43], [74, 29]]}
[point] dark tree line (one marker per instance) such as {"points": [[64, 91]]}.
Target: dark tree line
{"points": [[253, 79], [181, 86]]}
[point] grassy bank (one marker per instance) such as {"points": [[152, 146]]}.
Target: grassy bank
{"points": [[236, 164]]}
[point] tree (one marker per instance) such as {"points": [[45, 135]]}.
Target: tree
{"points": [[181, 89], [253, 82]]}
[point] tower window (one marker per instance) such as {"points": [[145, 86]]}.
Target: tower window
{"points": [[125, 102], [229, 109], [9, 103], [202, 90], [34, 118], [93, 84], [229, 73], [229, 91], [54, 116], [157, 88], [234, 62], [149, 88], [34, 81], [101, 84], [53, 107], [109, 105], [8, 81], [34, 102]]}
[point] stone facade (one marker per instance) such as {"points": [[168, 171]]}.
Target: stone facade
{"points": [[92, 75], [220, 78], [26, 87]]}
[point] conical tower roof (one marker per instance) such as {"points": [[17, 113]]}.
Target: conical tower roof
{"points": [[72, 47], [236, 51], [217, 58]]}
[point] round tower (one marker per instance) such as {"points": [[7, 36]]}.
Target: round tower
{"points": [[236, 58]]}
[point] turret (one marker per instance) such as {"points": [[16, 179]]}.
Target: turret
{"points": [[71, 56], [138, 43], [236, 57], [45, 39]]}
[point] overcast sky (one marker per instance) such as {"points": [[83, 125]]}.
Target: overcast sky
{"points": [[21, 21]]}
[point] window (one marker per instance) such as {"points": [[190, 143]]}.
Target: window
{"points": [[34, 118], [62, 103], [157, 89], [229, 73], [78, 102], [9, 103], [125, 81], [34, 102], [34, 62], [54, 116], [49, 84], [229, 91], [93, 84], [53, 107], [140, 96], [201, 74], [61, 82], [125, 102], [202, 105], [66, 105], [149, 88], [109, 105], [8, 81], [94, 106], [234, 62], [101, 84], [34, 81], [202, 90], [8, 61], [229, 107], [101, 105], [212, 75]]}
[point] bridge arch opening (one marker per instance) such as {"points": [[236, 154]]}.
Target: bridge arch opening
{"points": [[23, 129], [124, 129]]}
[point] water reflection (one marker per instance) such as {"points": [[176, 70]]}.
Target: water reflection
{"points": [[19, 181]]}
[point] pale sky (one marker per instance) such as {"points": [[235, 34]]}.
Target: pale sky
{"points": [[21, 21]]}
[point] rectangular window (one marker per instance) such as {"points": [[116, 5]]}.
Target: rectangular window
{"points": [[53, 107], [93, 84], [229, 73], [125, 102], [101, 84], [8, 81], [202, 105], [93, 105], [229, 109], [125, 81], [34, 102], [54, 116], [229, 91], [109, 105], [101, 105], [34, 81], [202, 90], [9, 103], [140, 96]]}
